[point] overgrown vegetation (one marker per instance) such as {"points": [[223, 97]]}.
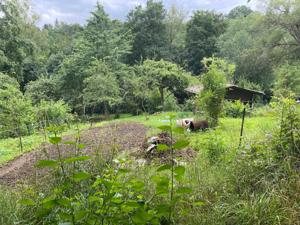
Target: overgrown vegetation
{"points": [[62, 79]]}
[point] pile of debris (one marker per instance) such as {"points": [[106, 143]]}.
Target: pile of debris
{"points": [[151, 151], [151, 144]]}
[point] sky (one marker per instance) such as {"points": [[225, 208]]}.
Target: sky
{"points": [[77, 11]]}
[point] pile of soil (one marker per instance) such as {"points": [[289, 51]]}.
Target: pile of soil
{"points": [[122, 136]]}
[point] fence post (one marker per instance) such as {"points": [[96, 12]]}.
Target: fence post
{"points": [[20, 138], [242, 127]]}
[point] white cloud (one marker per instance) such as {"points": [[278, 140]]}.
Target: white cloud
{"points": [[77, 11]]}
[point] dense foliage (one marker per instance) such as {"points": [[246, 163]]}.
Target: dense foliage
{"points": [[58, 74]]}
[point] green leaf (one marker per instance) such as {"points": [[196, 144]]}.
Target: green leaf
{"points": [[49, 203], [81, 146], [199, 203], [162, 186], [179, 170], [181, 144], [55, 140], [47, 163], [77, 177], [64, 202], [163, 209], [141, 217], [184, 190], [164, 167], [76, 159], [124, 171], [162, 147], [178, 130], [80, 215], [165, 128], [27, 202]]}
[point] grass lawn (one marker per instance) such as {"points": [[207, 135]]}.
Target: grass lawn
{"points": [[228, 130]]}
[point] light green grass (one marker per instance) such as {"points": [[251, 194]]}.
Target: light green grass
{"points": [[10, 147], [229, 129]]}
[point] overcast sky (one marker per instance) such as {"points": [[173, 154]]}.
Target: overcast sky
{"points": [[77, 11]]}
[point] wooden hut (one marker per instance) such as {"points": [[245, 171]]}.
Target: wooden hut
{"points": [[233, 92]]}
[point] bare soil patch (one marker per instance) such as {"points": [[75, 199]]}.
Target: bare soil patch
{"points": [[129, 136], [124, 136]]}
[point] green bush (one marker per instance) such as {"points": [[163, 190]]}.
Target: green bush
{"points": [[170, 102], [214, 82], [234, 109], [189, 105], [52, 113], [16, 111]]}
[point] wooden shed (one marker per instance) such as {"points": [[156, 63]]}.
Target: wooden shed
{"points": [[233, 92]]}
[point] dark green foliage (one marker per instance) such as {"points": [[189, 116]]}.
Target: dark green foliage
{"points": [[98, 195], [164, 76], [288, 79], [239, 12], [16, 47], [287, 141], [202, 32], [16, 111], [102, 39], [243, 44], [41, 89], [101, 87], [149, 32], [52, 112], [234, 109], [214, 82]]}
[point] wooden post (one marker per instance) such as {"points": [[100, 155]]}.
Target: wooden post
{"points": [[242, 127], [20, 138]]}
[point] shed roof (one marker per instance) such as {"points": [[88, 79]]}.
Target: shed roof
{"points": [[196, 89]]}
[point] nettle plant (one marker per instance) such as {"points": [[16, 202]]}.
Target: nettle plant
{"points": [[112, 194], [287, 141]]}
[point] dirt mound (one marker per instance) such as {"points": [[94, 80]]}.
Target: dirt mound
{"points": [[123, 136]]}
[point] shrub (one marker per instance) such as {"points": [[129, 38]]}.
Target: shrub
{"points": [[52, 113], [42, 89], [234, 109], [214, 82], [170, 102], [16, 111], [287, 139]]}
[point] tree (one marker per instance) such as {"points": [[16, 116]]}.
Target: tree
{"points": [[42, 89], [102, 39], [239, 12], [16, 111], [175, 20], [61, 40], [214, 81], [202, 32], [17, 48], [288, 79], [106, 39], [245, 43], [101, 87], [149, 30], [165, 76], [285, 15]]}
